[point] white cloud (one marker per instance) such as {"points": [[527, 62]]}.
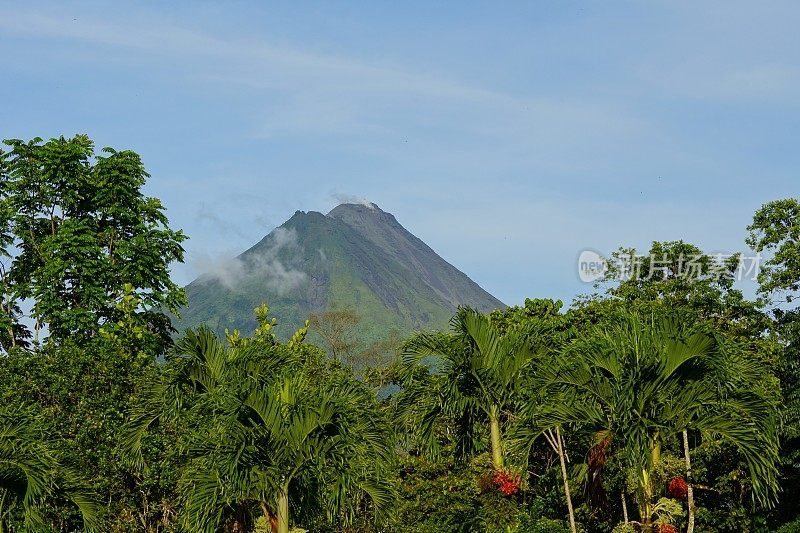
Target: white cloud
{"points": [[225, 268], [341, 198], [297, 93], [544, 149], [279, 275]]}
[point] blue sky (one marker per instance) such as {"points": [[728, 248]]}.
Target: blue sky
{"points": [[508, 136]]}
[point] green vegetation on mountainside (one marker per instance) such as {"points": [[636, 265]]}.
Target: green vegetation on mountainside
{"points": [[357, 257]]}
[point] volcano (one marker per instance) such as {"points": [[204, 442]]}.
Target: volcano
{"points": [[356, 257]]}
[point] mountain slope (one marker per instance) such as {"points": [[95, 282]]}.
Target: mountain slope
{"points": [[357, 256]]}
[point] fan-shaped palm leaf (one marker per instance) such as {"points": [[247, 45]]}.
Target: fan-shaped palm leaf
{"points": [[644, 379], [30, 474]]}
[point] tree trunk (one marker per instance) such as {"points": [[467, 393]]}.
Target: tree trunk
{"points": [[557, 443], [646, 503], [11, 335], [646, 507], [624, 507], [2, 511], [689, 490], [655, 451], [283, 509], [8, 311], [497, 443], [562, 458]]}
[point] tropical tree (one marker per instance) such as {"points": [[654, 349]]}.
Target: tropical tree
{"points": [[639, 381], [31, 475], [544, 318], [337, 327], [678, 277], [776, 229], [470, 376], [269, 428], [75, 229], [775, 232]]}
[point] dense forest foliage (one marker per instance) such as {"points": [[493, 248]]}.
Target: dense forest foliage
{"points": [[665, 401]]}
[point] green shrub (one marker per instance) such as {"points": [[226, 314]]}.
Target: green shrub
{"points": [[547, 525]]}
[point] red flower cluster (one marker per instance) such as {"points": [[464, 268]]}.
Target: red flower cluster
{"points": [[506, 482], [667, 528], [677, 488]]}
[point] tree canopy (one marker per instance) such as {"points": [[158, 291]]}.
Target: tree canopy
{"points": [[665, 400], [75, 230]]}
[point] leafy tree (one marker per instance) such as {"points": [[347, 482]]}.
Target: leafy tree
{"points": [[75, 228], [269, 427], [336, 327], [476, 375], [676, 274], [679, 277], [12, 334], [545, 313], [776, 229], [554, 329], [31, 476], [79, 394], [641, 381]]}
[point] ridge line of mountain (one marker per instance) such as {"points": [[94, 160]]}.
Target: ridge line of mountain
{"points": [[355, 256]]}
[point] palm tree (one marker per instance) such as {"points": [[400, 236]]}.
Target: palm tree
{"points": [[642, 380], [312, 448], [469, 376], [269, 427], [30, 474]]}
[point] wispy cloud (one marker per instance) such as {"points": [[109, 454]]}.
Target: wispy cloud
{"points": [[305, 94], [143, 31], [223, 226], [275, 264], [341, 198], [538, 134]]}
